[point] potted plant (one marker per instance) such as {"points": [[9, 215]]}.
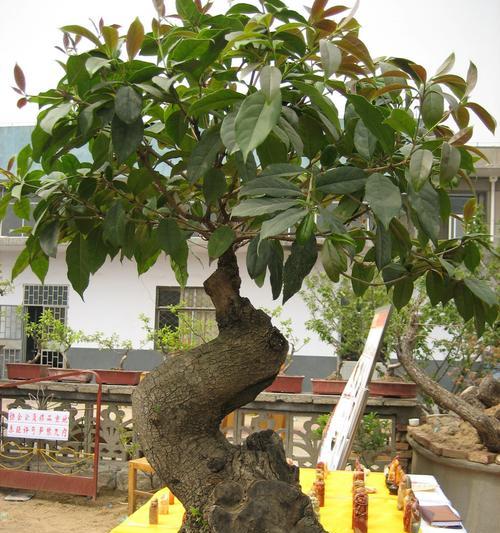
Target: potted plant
{"points": [[287, 383], [342, 318], [372, 437], [116, 376], [48, 333]]}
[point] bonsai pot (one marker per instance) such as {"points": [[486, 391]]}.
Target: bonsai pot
{"points": [[397, 389], [26, 370], [119, 377], [81, 378], [328, 386], [286, 383]]}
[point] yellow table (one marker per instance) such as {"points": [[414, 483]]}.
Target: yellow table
{"points": [[383, 516]]}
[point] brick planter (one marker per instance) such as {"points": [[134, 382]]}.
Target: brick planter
{"points": [[286, 383], [26, 370], [391, 389], [82, 378], [119, 377]]}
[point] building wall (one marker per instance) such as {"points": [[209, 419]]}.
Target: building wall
{"points": [[116, 295]]}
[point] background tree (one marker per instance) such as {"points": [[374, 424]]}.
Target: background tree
{"points": [[225, 127]]}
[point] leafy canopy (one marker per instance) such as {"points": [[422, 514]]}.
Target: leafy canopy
{"points": [[225, 127]]}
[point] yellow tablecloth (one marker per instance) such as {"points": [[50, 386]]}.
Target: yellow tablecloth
{"points": [[383, 516]]}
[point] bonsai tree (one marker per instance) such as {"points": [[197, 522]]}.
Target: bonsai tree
{"points": [[372, 436], [285, 325], [50, 333], [113, 342], [171, 340], [339, 317], [224, 126]]}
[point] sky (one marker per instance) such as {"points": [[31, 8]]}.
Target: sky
{"points": [[426, 31]]}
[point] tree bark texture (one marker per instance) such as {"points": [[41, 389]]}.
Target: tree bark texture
{"points": [[178, 409], [487, 427]]}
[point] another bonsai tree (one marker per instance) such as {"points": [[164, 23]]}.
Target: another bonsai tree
{"points": [[113, 342], [372, 436], [224, 126], [50, 333], [339, 317], [285, 325]]}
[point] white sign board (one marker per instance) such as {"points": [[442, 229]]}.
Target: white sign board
{"points": [[342, 424], [38, 424]]}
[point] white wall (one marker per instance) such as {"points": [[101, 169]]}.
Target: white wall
{"points": [[117, 295]]}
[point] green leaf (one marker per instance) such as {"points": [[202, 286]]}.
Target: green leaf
{"points": [[383, 198], [270, 81], [4, 204], [271, 186], [275, 265], [362, 275], [331, 57], [334, 260], [113, 228], [21, 208], [464, 301], [483, 115], [214, 185], [217, 100], [96, 251], [204, 154], [39, 264], [282, 170], [187, 10], [262, 206], [425, 205], [472, 256], [479, 317], [187, 49], [402, 293], [126, 138], [325, 105], [342, 180], [420, 167], [282, 222], [306, 229], [77, 260], [22, 262], [383, 247], [135, 38], [83, 32], [220, 241], [94, 64], [480, 289], [450, 163], [53, 116], [272, 151], [402, 121], [300, 262], [435, 286], [258, 255], [255, 120], [48, 237], [374, 119], [128, 104], [293, 136], [433, 106], [364, 141], [228, 133], [170, 238]]}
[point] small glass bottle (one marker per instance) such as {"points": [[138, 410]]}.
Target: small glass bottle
{"points": [[153, 512]]}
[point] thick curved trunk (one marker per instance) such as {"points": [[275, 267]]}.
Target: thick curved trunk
{"points": [[487, 427], [178, 409]]}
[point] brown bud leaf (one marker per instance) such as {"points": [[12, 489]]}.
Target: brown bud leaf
{"points": [[19, 77], [135, 38]]}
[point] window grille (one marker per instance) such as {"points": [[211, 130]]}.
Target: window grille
{"points": [[10, 322], [46, 295], [8, 355], [195, 305]]}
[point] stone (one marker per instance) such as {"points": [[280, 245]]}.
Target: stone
{"points": [[435, 448], [107, 479], [497, 459], [489, 391], [481, 457], [452, 453]]}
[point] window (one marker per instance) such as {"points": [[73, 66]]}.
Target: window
{"points": [[195, 307], [38, 298], [10, 322]]}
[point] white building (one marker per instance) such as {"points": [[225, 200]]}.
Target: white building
{"points": [[116, 295]]}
